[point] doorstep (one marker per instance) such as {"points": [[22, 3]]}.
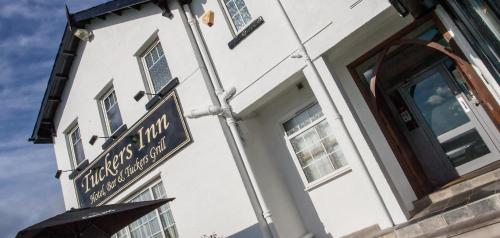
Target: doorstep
{"points": [[460, 208], [464, 184]]}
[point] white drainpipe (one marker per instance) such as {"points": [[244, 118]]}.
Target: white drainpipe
{"points": [[225, 111], [335, 116]]}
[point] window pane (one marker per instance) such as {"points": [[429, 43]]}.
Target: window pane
{"points": [[298, 143], [152, 225], [311, 137], [330, 144], [79, 154], [158, 69], [75, 136], [231, 8], [315, 147], [245, 14], [77, 145], [314, 112], [238, 21], [305, 158], [171, 232], [338, 159], [323, 129], [238, 12], [240, 4], [114, 118], [160, 74], [303, 119]]}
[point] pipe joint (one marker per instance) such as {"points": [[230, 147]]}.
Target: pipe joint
{"points": [[208, 111], [267, 214]]}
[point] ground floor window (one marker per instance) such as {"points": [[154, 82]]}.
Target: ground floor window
{"points": [[157, 224], [313, 144]]}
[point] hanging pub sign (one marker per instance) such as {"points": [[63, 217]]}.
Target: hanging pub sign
{"points": [[153, 139]]}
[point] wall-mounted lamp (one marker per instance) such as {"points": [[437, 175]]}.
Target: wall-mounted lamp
{"points": [[208, 18], [139, 95], [400, 7], [72, 175], [82, 34], [59, 172], [95, 137]]}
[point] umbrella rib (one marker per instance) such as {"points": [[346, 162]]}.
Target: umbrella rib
{"points": [[100, 229]]}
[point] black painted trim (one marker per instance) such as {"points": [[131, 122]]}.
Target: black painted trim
{"points": [[245, 32], [162, 93], [105, 8], [79, 169], [122, 129]]}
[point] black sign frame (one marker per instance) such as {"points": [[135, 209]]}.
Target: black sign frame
{"points": [[131, 138]]}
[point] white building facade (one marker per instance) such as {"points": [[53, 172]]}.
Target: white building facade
{"points": [[276, 119]]}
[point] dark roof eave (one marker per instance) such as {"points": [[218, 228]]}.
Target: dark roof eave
{"points": [[106, 8], [43, 131]]}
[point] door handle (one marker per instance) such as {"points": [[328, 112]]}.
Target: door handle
{"points": [[476, 101]]}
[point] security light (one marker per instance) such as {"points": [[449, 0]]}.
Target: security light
{"points": [[72, 176], [58, 174], [94, 138], [83, 34], [138, 96]]}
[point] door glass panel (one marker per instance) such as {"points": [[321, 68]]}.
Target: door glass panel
{"points": [[439, 107], [444, 115], [465, 147]]}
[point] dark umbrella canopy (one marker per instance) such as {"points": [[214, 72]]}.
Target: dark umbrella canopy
{"points": [[93, 222]]}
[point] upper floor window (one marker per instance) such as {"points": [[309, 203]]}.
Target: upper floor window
{"points": [[313, 144], [157, 70], [111, 112], [156, 224], [76, 145], [238, 12]]}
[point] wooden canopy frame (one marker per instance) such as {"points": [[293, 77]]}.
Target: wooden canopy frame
{"points": [[478, 87], [399, 145]]}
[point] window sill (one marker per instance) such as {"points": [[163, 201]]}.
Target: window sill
{"points": [[340, 172], [122, 129], [245, 32], [162, 93], [78, 169]]}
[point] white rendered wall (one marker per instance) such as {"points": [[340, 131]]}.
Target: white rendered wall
{"points": [[203, 176], [335, 208], [320, 26], [261, 69], [337, 59]]}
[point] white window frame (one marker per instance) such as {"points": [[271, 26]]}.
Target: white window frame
{"points": [[326, 178], [71, 144], [142, 56], [149, 188], [102, 107], [230, 19]]}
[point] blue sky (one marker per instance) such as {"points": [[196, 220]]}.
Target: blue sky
{"points": [[30, 32]]}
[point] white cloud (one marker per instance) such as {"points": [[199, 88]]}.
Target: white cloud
{"points": [[435, 100], [24, 198], [31, 9], [29, 192], [44, 37], [443, 90]]}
